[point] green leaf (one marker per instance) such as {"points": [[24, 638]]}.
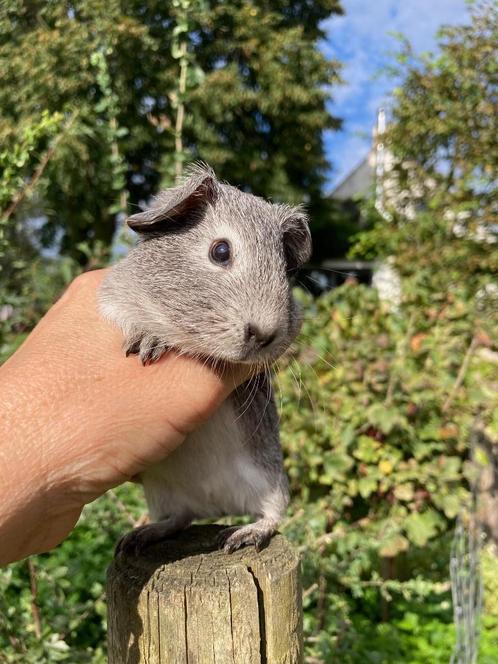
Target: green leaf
{"points": [[404, 492], [366, 486], [421, 527], [394, 545], [451, 504], [385, 418], [367, 449]]}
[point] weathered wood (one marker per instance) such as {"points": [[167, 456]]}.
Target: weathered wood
{"points": [[186, 602], [486, 485]]}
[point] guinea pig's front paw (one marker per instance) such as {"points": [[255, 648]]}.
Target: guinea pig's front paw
{"points": [[235, 537], [148, 347]]}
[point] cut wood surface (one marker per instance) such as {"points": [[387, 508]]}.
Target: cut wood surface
{"points": [[185, 601]]}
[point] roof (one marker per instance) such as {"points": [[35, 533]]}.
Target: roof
{"points": [[359, 181]]}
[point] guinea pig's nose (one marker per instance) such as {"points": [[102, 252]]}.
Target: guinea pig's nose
{"points": [[254, 334]]}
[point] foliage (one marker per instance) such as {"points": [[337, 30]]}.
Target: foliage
{"points": [[250, 70], [443, 132], [386, 454], [376, 417], [417, 370], [440, 187], [490, 573], [18, 164], [15, 163]]}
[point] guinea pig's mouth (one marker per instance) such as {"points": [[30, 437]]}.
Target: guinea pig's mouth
{"points": [[258, 363], [249, 344], [257, 357], [263, 356], [248, 356]]}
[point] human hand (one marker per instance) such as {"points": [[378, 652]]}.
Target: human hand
{"points": [[79, 418]]}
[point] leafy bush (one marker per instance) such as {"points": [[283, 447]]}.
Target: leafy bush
{"points": [[379, 430], [376, 422]]}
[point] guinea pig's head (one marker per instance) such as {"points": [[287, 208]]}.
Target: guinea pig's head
{"points": [[210, 275]]}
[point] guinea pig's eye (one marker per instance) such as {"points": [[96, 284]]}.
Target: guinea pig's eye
{"points": [[220, 252]]}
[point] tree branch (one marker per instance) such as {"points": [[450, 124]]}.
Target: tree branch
{"points": [[35, 610], [38, 172], [461, 375]]}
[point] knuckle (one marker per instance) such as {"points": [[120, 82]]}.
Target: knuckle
{"points": [[85, 281], [78, 282]]}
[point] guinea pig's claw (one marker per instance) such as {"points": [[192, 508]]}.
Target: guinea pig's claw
{"points": [[130, 544], [258, 534], [137, 540], [147, 347], [132, 347]]}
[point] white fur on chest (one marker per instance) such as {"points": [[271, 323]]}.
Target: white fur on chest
{"points": [[211, 474]]}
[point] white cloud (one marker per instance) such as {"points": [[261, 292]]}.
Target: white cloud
{"points": [[365, 22]]}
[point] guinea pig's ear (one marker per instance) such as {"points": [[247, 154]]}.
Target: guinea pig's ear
{"points": [[175, 206], [296, 237]]}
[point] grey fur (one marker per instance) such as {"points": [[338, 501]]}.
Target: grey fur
{"points": [[167, 293]]}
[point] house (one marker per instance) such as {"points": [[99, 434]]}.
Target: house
{"points": [[367, 178]]}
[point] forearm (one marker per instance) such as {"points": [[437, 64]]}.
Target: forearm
{"points": [[26, 494]]}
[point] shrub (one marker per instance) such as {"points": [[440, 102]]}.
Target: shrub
{"points": [[377, 410]]}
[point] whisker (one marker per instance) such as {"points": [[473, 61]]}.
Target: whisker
{"points": [[297, 384], [280, 402], [265, 408], [250, 399], [304, 287], [319, 357], [311, 402], [341, 272]]}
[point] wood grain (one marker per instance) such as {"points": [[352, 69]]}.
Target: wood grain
{"points": [[184, 601]]}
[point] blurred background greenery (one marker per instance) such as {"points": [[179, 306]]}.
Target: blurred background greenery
{"points": [[389, 400]]}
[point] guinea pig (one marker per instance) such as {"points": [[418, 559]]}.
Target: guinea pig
{"points": [[210, 277]]}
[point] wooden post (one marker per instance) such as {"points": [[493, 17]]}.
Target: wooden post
{"points": [[186, 602]]}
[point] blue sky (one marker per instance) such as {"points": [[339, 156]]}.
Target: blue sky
{"points": [[360, 40]]}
